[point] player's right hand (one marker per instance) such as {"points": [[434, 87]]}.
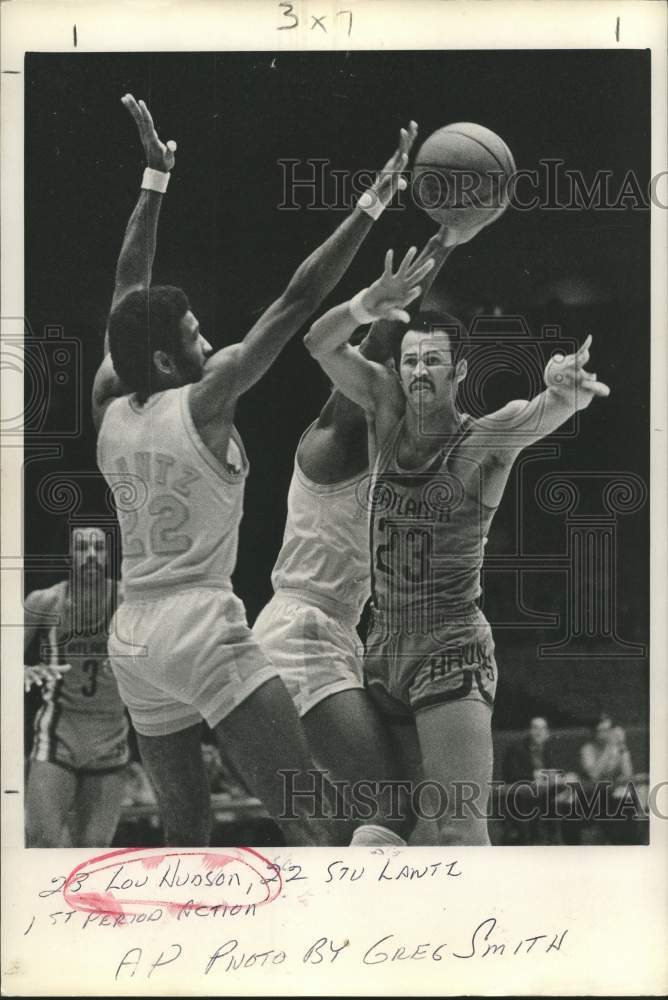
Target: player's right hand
{"points": [[566, 376], [159, 155], [41, 672], [389, 180], [388, 296]]}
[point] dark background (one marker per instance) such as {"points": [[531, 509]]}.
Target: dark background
{"points": [[223, 240]]}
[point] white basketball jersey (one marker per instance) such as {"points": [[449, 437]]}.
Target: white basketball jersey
{"points": [[179, 508], [325, 551]]}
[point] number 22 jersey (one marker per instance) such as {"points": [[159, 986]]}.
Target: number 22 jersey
{"points": [[179, 508]]}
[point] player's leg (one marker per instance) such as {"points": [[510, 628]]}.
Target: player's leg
{"points": [[152, 647], [317, 656], [263, 736], [97, 808], [50, 794], [176, 769], [451, 677], [99, 749], [457, 755], [350, 740], [201, 662], [404, 739]]}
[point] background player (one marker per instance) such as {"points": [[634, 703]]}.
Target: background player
{"points": [[80, 748], [164, 409], [438, 479]]}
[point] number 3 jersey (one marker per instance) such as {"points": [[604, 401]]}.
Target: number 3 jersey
{"points": [[428, 530], [179, 508], [77, 636]]}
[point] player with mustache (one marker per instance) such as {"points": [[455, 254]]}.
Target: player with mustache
{"points": [[78, 763], [322, 582], [439, 476]]}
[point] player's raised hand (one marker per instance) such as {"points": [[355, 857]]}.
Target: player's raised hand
{"points": [[566, 376], [394, 290], [159, 155], [390, 179], [41, 672]]}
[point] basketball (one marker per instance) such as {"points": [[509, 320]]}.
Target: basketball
{"points": [[461, 175]]}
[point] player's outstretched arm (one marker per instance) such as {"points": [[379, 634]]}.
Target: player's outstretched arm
{"points": [[39, 613], [233, 370], [380, 341], [520, 423], [569, 388], [383, 336], [135, 261], [366, 382]]}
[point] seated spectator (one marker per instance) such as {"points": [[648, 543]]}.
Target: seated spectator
{"points": [[605, 760], [529, 761], [528, 758], [606, 757]]}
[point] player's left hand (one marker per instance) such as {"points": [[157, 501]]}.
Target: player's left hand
{"points": [[159, 155], [41, 672], [389, 295], [566, 376], [389, 180]]}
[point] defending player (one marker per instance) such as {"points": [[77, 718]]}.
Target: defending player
{"points": [[439, 476], [321, 583], [164, 409], [80, 749]]}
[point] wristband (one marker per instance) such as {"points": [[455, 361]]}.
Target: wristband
{"points": [[372, 204], [155, 180], [358, 310]]}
